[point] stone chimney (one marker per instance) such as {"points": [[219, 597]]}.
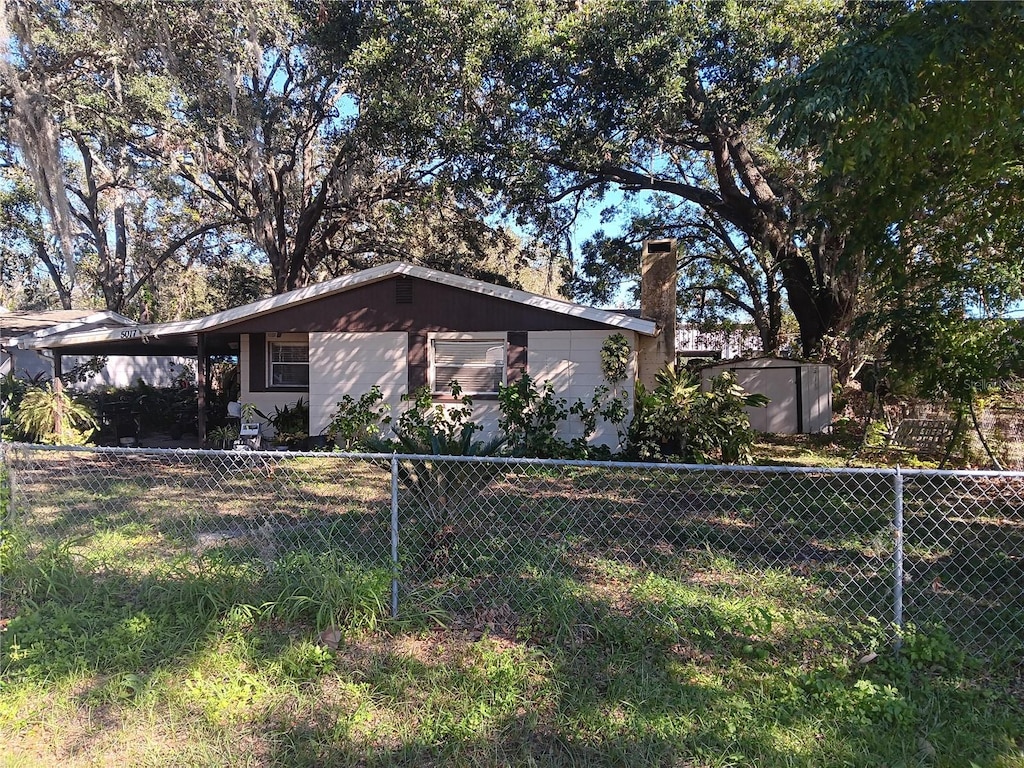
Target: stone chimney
{"points": [[658, 303]]}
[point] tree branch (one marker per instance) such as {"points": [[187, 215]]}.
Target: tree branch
{"points": [[168, 252]]}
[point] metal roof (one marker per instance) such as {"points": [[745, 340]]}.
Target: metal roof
{"points": [[147, 333], [49, 322]]}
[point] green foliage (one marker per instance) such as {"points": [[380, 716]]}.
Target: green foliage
{"points": [[328, 591], [291, 423], [678, 422], [12, 389], [917, 126], [981, 355], [440, 487], [159, 409], [727, 660], [566, 102], [135, 217], [12, 542], [603, 404], [615, 353], [442, 429], [75, 616], [355, 422], [85, 370], [167, 235], [224, 435], [249, 412], [861, 701], [530, 418], [929, 648], [939, 352], [915, 94], [49, 415]]}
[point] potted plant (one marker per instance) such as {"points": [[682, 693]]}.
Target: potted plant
{"points": [[291, 425], [224, 436]]}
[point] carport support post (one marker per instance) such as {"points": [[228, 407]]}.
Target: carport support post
{"points": [[394, 536], [201, 387]]}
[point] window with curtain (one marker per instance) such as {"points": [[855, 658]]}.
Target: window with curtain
{"points": [[289, 364], [477, 364]]}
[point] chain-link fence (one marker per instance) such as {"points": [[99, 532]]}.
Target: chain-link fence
{"points": [[995, 432], [506, 541]]}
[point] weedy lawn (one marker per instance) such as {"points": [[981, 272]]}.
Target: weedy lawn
{"points": [[230, 611], [211, 662]]}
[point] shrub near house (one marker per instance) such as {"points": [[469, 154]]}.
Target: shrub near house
{"points": [[678, 422], [48, 414], [674, 422]]}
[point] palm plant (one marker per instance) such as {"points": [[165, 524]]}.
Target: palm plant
{"points": [[48, 414], [442, 487]]}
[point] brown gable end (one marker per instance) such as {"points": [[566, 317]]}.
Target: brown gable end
{"points": [[413, 305]]}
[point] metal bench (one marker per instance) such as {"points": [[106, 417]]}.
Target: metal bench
{"points": [[924, 436]]}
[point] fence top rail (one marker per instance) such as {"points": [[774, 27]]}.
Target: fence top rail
{"points": [[745, 468], [117, 450], [734, 468], [387, 457]]}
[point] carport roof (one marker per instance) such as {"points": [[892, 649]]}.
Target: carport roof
{"points": [[181, 337], [40, 324]]}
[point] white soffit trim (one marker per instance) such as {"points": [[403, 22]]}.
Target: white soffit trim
{"points": [[345, 283], [106, 316]]}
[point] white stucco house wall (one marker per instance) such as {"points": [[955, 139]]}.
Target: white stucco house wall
{"points": [[397, 326]]}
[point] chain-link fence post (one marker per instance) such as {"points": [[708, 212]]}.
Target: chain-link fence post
{"points": [[897, 553], [5, 487], [6, 511], [394, 536]]}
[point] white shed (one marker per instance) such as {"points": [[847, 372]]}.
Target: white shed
{"points": [[800, 394]]}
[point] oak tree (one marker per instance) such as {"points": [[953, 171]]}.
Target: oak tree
{"points": [[918, 126], [549, 106]]}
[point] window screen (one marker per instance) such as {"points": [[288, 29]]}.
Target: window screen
{"points": [[478, 366], [289, 364]]}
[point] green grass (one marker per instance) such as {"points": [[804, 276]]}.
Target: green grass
{"points": [[566, 618], [219, 663], [841, 449]]}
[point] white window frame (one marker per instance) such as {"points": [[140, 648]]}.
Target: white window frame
{"points": [[495, 339], [271, 343]]}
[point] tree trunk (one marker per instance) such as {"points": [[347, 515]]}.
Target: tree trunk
{"points": [[824, 312]]}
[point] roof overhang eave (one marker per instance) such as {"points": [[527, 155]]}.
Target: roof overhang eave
{"points": [[134, 335], [383, 272]]}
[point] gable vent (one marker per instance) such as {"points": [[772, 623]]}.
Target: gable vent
{"points": [[403, 291]]}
